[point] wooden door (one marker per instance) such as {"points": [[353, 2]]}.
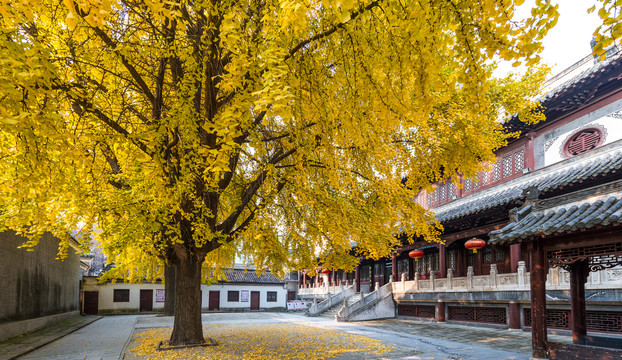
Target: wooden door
{"points": [[146, 300], [214, 300], [91, 302], [254, 300]]}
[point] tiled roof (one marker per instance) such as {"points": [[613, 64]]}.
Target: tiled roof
{"points": [[241, 276], [592, 83], [581, 210], [597, 162]]}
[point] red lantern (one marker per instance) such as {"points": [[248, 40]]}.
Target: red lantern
{"points": [[325, 271], [416, 254], [475, 244]]}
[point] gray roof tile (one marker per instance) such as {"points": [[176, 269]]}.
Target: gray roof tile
{"points": [[241, 276], [601, 205], [601, 161]]}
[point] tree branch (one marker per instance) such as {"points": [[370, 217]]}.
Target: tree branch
{"points": [[330, 31]]}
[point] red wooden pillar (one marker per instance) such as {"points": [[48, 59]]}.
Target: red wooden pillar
{"points": [[357, 278], [460, 262], [442, 261], [538, 301], [394, 267], [514, 257], [333, 277], [529, 157], [440, 311], [372, 277], [578, 276], [514, 315]]}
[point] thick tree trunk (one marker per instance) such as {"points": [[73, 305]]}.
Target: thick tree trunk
{"points": [[169, 290], [187, 329]]}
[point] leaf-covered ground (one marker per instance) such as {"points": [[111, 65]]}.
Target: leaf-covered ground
{"points": [[263, 342]]}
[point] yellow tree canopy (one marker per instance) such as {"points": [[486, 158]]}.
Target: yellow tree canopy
{"points": [[272, 129]]}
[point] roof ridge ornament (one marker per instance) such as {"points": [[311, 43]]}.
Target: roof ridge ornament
{"points": [[530, 194]]}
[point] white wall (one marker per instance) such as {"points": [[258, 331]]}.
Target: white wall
{"points": [[280, 289], [548, 146], [106, 295]]}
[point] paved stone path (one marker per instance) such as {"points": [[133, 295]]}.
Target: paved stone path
{"points": [[17, 346], [105, 339], [110, 337]]}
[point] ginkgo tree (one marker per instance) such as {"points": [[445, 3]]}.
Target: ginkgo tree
{"points": [[192, 132]]}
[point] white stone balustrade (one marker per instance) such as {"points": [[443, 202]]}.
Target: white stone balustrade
{"points": [[557, 279], [324, 289]]}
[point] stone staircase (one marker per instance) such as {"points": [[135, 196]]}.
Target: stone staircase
{"points": [[378, 304], [334, 311]]}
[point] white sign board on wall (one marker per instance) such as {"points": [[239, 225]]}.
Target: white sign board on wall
{"points": [[244, 296], [159, 295]]}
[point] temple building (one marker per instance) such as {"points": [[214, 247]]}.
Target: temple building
{"points": [[535, 243]]}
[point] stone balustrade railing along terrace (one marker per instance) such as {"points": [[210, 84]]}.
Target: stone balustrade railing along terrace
{"points": [[557, 279], [324, 289]]}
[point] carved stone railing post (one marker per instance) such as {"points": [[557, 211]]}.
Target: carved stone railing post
{"points": [[391, 278], [403, 282], [554, 276], [416, 281], [450, 278], [470, 277], [376, 285], [432, 279], [493, 275], [522, 272]]}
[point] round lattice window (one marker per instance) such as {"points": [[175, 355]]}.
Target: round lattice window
{"points": [[583, 141]]}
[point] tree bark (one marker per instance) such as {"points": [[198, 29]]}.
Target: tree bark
{"points": [[187, 329], [169, 290]]}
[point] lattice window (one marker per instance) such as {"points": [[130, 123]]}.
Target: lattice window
{"points": [[598, 321], [519, 161], [378, 269], [402, 266], [420, 265], [428, 263], [486, 177], [442, 193], [365, 273], [496, 171], [476, 180], [583, 141], [499, 256], [430, 200], [487, 255], [604, 321], [478, 314], [467, 185], [451, 259], [507, 166], [451, 190], [555, 318], [422, 311]]}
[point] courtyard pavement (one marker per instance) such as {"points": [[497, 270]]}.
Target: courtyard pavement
{"points": [[110, 337]]}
